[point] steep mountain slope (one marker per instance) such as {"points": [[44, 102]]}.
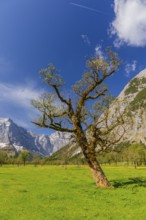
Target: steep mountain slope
{"points": [[19, 138], [12, 134], [134, 95], [58, 140]]}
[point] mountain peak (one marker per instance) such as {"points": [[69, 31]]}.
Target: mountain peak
{"points": [[2, 120], [20, 138], [6, 121]]}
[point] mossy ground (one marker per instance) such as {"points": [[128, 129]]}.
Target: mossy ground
{"points": [[69, 193]]}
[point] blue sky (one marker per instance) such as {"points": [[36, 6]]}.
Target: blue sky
{"points": [[34, 33]]}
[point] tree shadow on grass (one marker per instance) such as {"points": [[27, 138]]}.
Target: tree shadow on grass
{"points": [[136, 181]]}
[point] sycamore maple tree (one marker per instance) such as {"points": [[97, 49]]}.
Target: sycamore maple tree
{"points": [[84, 112]]}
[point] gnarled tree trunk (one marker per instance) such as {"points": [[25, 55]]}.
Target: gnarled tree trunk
{"points": [[96, 169], [90, 156]]}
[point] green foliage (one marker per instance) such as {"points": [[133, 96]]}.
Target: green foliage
{"points": [[139, 101], [10, 151], [3, 157], [133, 86], [66, 156], [97, 69], [51, 75], [131, 154], [60, 111], [68, 193], [143, 80], [36, 158], [24, 156]]}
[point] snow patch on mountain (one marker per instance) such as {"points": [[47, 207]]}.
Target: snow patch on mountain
{"points": [[20, 138], [59, 140]]}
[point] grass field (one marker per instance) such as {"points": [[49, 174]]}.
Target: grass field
{"points": [[58, 193]]}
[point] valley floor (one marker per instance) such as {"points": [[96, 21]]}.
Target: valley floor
{"points": [[69, 193]]}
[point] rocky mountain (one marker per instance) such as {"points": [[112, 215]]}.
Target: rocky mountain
{"points": [[59, 139], [134, 95], [17, 138]]}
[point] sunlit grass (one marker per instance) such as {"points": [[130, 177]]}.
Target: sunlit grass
{"points": [[69, 193]]}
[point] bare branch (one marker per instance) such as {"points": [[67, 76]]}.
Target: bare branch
{"points": [[100, 69], [57, 115], [97, 95], [59, 95], [56, 127], [84, 98]]}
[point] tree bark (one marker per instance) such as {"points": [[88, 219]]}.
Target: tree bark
{"points": [[99, 176], [90, 156], [97, 172]]}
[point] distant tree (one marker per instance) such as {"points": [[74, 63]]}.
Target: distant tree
{"points": [[3, 157], [18, 160], [137, 154], [36, 159], [114, 157], [84, 113], [43, 161], [24, 156]]}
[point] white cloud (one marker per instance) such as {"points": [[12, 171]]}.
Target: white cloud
{"points": [[98, 51], [85, 39], [129, 25], [17, 95], [130, 67], [15, 102]]}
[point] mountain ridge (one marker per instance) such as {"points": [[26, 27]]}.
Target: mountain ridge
{"points": [[134, 93], [20, 138]]}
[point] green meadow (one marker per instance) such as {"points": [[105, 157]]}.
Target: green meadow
{"points": [[69, 193]]}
